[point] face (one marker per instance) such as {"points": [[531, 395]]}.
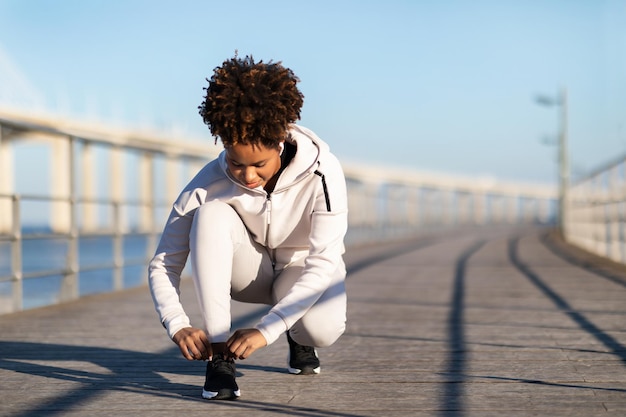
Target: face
{"points": [[252, 165]]}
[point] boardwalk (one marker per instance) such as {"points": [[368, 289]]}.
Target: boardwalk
{"points": [[491, 323]]}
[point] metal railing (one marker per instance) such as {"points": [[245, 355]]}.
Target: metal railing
{"points": [[69, 267], [595, 215], [384, 204]]}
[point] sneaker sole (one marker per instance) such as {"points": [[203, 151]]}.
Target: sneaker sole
{"points": [[304, 371], [223, 394]]}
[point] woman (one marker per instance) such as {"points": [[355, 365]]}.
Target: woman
{"points": [[262, 223]]}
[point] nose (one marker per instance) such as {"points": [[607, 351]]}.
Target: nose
{"points": [[249, 175]]}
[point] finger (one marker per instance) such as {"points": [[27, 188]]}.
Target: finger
{"points": [[232, 339], [208, 350], [249, 351], [194, 352], [202, 350], [195, 349], [240, 344], [197, 353], [246, 352], [233, 348], [185, 352], [233, 343]]}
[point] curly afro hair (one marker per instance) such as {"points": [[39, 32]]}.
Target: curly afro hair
{"points": [[251, 102]]}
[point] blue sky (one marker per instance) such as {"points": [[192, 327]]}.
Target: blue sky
{"points": [[444, 86]]}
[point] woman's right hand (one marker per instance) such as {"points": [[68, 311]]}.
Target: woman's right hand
{"points": [[193, 344]]}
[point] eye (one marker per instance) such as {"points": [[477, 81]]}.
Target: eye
{"points": [[235, 164]]}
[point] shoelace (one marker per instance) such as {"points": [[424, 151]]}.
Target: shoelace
{"points": [[306, 353], [223, 366]]}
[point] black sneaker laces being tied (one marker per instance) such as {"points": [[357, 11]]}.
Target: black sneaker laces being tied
{"points": [[220, 381]]}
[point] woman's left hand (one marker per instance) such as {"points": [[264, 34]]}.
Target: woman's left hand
{"points": [[244, 342]]}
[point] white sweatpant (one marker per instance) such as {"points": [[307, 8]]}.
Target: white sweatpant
{"points": [[226, 262]]}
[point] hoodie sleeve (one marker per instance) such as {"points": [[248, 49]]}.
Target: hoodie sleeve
{"points": [[167, 265], [329, 224], [165, 272]]}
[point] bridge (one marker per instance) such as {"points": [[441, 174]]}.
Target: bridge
{"points": [[463, 298], [117, 184]]}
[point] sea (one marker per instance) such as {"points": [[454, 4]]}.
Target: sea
{"points": [[50, 254], [95, 255]]}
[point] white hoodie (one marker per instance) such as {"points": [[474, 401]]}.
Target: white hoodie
{"points": [[305, 215]]}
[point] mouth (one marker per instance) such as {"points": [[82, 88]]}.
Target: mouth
{"points": [[252, 184]]}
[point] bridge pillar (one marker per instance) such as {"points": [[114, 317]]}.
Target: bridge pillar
{"points": [[61, 184], [146, 191], [89, 187], [116, 186], [172, 177], [7, 183]]}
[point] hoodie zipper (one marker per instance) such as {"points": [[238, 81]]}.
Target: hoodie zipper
{"points": [[268, 217], [268, 207], [268, 220]]}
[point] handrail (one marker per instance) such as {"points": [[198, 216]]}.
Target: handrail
{"points": [[596, 211]]}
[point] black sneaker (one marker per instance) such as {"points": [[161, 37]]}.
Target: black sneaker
{"points": [[302, 360], [220, 381]]}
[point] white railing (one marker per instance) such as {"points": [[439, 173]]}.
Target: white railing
{"points": [[112, 187], [595, 213]]}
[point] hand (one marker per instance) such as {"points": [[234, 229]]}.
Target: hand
{"points": [[193, 344], [244, 342]]}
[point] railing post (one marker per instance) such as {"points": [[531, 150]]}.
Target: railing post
{"points": [[146, 190], [599, 225], [69, 286], [479, 208], [613, 221], [118, 248], [413, 207], [563, 165], [116, 191], [16, 256], [545, 210], [461, 207], [88, 177], [512, 205], [116, 184]]}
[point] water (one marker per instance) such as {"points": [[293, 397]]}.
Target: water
{"points": [[50, 254]]}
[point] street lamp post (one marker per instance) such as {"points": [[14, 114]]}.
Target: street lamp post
{"points": [[561, 101]]}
